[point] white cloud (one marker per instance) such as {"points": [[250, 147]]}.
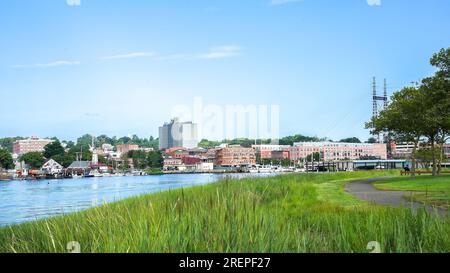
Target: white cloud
{"points": [[73, 2], [130, 56], [374, 2], [282, 2], [221, 52], [46, 65]]}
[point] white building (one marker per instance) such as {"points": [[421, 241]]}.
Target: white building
{"points": [[52, 167], [178, 134]]}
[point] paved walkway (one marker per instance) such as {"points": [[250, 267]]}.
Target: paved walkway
{"points": [[366, 191]]}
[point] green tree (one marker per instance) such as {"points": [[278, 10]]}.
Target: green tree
{"points": [[53, 149], [402, 118], [437, 98], [6, 160], [7, 143], [350, 140], [34, 159], [64, 159], [316, 157], [155, 159]]}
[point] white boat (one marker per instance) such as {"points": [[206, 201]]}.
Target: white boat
{"points": [[76, 176]]}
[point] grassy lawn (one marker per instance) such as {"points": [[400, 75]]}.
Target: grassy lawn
{"points": [[288, 213], [425, 188]]}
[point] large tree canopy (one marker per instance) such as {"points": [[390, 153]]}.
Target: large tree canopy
{"points": [[421, 111], [34, 159]]}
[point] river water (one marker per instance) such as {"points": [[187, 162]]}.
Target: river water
{"points": [[22, 201]]}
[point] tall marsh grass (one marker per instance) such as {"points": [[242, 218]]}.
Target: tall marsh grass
{"points": [[277, 214]]}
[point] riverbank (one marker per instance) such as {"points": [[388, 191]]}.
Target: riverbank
{"points": [[286, 213]]}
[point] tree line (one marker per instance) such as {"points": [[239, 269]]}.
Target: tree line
{"points": [[420, 114]]}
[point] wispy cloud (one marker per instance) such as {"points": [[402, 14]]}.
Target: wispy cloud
{"points": [[374, 2], [73, 2], [281, 2], [47, 65], [130, 56], [221, 52]]}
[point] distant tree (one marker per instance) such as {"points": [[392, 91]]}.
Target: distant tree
{"points": [[84, 140], [64, 159], [316, 157], [351, 140], [124, 140], [204, 143], [6, 160], [290, 140], [53, 149], [372, 140], [139, 159], [155, 159], [7, 143], [34, 159], [69, 144]]}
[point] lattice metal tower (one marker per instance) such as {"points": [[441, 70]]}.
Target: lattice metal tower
{"points": [[375, 109]]}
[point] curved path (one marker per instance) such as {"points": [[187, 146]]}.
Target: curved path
{"points": [[366, 191]]}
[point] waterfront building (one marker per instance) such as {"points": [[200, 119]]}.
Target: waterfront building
{"points": [[191, 160], [178, 134], [79, 167], [404, 150], [268, 151], [172, 163], [52, 167], [334, 151], [32, 144], [235, 156]]}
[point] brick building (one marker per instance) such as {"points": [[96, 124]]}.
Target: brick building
{"points": [[235, 156], [33, 144]]}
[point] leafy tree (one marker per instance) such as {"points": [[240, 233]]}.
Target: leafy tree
{"points": [[402, 118], [350, 140], [421, 111], [69, 144], [64, 159], [6, 160], [290, 140], [34, 159], [7, 143], [372, 140], [204, 143], [315, 157], [53, 149], [139, 159], [155, 159]]}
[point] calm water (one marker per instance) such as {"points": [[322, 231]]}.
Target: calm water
{"points": [[22, 201]]}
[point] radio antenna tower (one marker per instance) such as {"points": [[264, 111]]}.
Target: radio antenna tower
{"points": [[376, 99]]}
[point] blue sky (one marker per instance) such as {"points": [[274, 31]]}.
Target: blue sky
{"points": [[118, 67]]}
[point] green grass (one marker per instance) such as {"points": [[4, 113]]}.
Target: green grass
{"points": [[426, 189], [288, 213]]}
